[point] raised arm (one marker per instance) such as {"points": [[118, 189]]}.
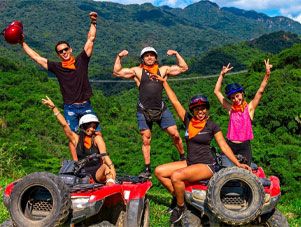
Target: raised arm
{"points": [[217, 90], [33, 55], [118, 71], [91, 35], [73, 138], [227, 150], [254, 103], [171, 95], [175, 70]]}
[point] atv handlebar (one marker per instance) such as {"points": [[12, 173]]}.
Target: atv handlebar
{"points": [[81, 164]]}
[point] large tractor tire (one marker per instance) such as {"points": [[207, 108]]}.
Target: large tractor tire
{"points": [[275, 219], [40, 199], [235, 196], [138, 212]]}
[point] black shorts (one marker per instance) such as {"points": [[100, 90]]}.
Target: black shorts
{"points": [[92, 170], [210, 166], [243, 148]]}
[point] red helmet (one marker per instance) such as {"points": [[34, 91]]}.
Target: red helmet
{"points": [[13, 32], [198, 100]]}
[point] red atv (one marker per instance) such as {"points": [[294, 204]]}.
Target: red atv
{"points": [[73, 199], [233, 196]]}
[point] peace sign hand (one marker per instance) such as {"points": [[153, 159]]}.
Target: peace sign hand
{"points": [[268, 66], [226, 69]]}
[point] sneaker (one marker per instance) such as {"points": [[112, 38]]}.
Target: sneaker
{"points": [[146, 174], [176, 214], [172, 205]]}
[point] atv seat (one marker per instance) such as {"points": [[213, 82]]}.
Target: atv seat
{"points": [[265, 181], [84, 187], [203, 181], [254, 166]]}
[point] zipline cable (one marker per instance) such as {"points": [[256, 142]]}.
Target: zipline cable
{"points": [[171, 79]]}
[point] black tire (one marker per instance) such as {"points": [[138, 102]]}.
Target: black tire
{"points": [[275, 219], [40, 199], [144, 220], [138, 212], [235, 196], [7, 223], [6, 201], [120, 220], [191, 218], [103, 224]]}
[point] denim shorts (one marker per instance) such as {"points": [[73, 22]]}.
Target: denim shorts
{"points": [[165, 122], [74, 112]]}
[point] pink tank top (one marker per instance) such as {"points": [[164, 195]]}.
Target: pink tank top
{"points": [[240, 126]]}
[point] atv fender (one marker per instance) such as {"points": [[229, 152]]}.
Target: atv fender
{"points": [[135, 191]]}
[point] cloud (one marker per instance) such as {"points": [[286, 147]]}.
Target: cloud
{"points": [[297, 18]]}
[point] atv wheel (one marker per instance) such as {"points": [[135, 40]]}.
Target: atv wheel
{"points": [[103, 224], [7, 223], [235, 196], [6, 201], [275, 219], [191, 218], [138, 213], [40, 199], [145, 214]]}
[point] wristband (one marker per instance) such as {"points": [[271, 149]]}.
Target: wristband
{"points": [[52, 107], [111, 165], [93, 22], [56, 114], [110, 180]]}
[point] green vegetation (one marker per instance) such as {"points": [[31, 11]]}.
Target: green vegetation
{"points": [[31, 139], [192, 31]]}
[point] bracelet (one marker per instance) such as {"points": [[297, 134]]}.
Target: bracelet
{"points": [[110, 180], [56, 114], [111, 165], [93, 22], [52, 107]]}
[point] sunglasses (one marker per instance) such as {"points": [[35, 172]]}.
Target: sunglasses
{"points": [[62, 50]]}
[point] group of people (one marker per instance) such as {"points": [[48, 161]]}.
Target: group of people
{"points": [[81, 126]]}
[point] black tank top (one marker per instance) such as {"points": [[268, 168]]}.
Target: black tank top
{"points": [[83, 154], [150, 91]]}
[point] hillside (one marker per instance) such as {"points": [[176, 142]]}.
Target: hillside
{"points": [[193, 31], [241, 55], [233, 22], [32, 140]]}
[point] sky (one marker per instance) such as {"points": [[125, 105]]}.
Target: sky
{"points": [[287, 8]]}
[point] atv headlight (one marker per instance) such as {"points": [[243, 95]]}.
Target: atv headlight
{"points": [[80, 203], [199, 194]]}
